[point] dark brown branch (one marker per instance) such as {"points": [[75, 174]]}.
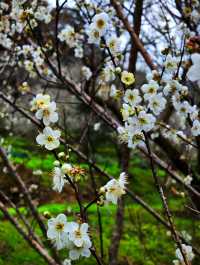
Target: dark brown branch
{"points": [[34, 244]]}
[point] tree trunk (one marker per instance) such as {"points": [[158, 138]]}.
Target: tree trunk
{"points": [[118, 230]]}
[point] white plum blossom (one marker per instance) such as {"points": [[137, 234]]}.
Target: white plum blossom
{"points": [[78, 51], [135, 138], [59, 179], [114, 189], [113, 44], [97, 28], [43, 14], [79, 239], [184, 108], [194, 113], [187, 180], [58, 230], [144, 121], [157, 103], [40, 101], [195, 128], [132, 97], [49, 138], [150, 89], [93, 34], [78, 233], [153, 75], [113, 91], [66, 168], [67, 262], [86, 72], [176, 262], [171, 63], [126, 111], [188, 252], [97, 126], [108, 74], [59, 176], [194, 71], [123, 134], [48, 114], [171, 87], [100, 22], [84, 250], [68, 35]]}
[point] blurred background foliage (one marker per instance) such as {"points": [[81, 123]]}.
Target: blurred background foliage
{"points": [[144, 240]]}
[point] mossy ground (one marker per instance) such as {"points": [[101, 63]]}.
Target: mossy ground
{"points": [[144, 241]]}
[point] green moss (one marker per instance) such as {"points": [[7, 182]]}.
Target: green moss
{"points": [[144, 241]]}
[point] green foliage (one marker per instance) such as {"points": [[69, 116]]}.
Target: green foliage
{"points": [[144, 241], [14, 250]]}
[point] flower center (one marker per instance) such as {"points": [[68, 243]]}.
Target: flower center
{"points": [[46, 112], [127, 78], [78, 233], [59, 226], [50, 138], [112, 44], [151, 90], [142, 121], [100, 23], [155, 103], [40, 103], [131, 97]]}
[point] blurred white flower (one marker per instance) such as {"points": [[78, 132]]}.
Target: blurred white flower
{"points": [[97, 126], [86, 72], [40, 101], [84, 250], [67, 262], [195, 128], [171, 63], [187, 180], [68, 35], [194, 71], [188, 252], [113, 44]]}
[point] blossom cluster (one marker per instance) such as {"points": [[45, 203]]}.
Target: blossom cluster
{"points": [[21, 18], [45, 110], [98, 32], [73, 236], [142, 107]]}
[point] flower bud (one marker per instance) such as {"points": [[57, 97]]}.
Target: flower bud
{"points": [[61, 154], [56, 163]]}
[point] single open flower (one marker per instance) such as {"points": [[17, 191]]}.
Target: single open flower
{"points": [[127, 78], [49, 138], [58, 229]]}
